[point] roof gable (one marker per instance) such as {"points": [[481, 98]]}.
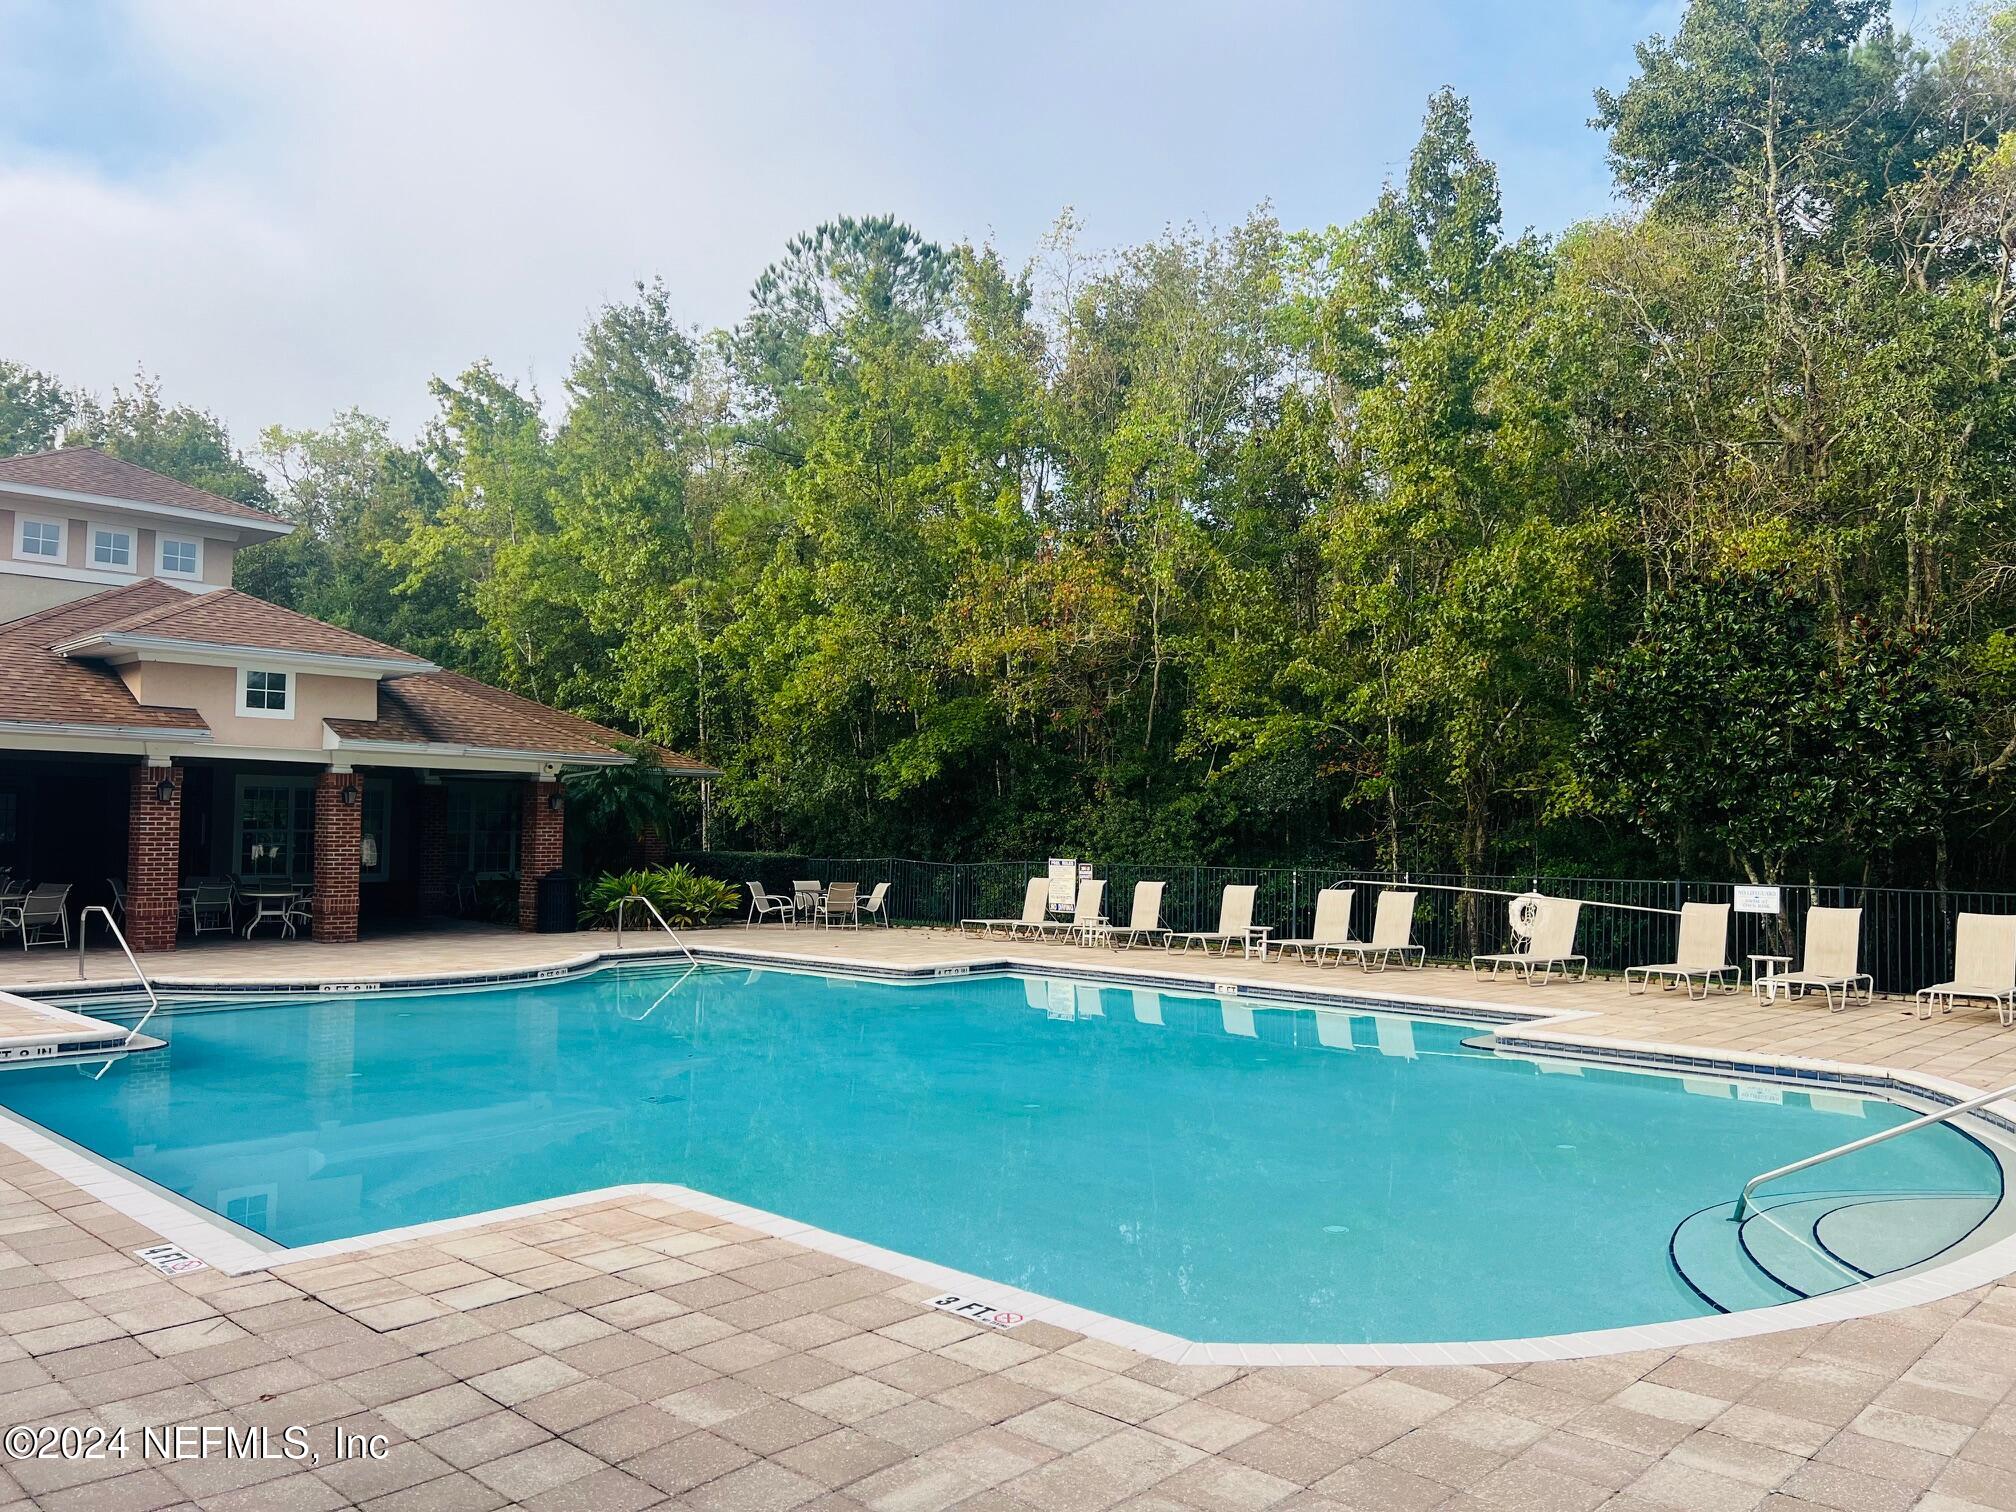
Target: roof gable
{"points": [[225, 617]]}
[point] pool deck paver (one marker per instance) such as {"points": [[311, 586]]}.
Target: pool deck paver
{"points": [[633, 1354]]}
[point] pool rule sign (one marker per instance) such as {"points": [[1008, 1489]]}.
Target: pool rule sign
{"points": [[973, 1310]]}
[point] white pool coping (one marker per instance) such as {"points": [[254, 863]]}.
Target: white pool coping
{"points": [[235, 1251]]}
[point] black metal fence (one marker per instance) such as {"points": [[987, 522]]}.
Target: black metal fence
{"points": [[1907, 933]]}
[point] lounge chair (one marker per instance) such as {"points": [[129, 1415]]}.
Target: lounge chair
{"points": [[1035, 902], [44, 908], [877, 906], [1144, 920], [213, 906], [1086, 915], [1392, 935], [1551, 944], [1235, 925], [842, 901], [763, 904], [1332, 926], [1833, 960], [1984, 966], [1701, 956]]}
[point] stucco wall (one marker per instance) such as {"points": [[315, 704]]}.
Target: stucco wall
{"points": [[213, 693]]}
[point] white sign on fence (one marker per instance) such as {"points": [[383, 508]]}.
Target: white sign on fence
{"points": [[1764, 900], [1063, 883]]}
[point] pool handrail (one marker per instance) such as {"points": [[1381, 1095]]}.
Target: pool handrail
{"points": [[1937, 1115], [624, 902], [83, 934]]}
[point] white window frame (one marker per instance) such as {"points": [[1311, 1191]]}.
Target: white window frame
{"points": [[91, 547], [246, 710], [163, 542], [21, 551]]}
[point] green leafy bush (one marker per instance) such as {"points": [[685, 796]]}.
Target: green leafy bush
{"points": [[681, 894]]}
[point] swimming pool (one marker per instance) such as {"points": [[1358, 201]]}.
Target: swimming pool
{"points": [[1218, 1169]]}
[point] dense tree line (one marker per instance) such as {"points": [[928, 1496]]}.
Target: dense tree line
{"points": [[1681, 540]]}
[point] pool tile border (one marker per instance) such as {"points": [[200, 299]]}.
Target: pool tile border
{"points": [[232, 1250]]}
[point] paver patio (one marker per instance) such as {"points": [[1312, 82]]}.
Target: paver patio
{"points": [[629, 1354]]}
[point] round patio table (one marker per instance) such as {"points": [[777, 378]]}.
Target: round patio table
{"points": [[268, 903]]}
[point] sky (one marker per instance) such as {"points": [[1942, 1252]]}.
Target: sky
{"points": [[284, 209]]}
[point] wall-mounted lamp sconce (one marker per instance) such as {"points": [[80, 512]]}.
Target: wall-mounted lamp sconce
{"points": [[164, 790], [351, 797], [553, 801]]}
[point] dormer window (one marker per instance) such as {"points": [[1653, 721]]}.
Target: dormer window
{"points": [[112, 547], [180, 558], [39, 539], [265, 695]]}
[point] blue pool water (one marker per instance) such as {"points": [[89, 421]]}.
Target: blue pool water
{"points": [[1223, 1171]]}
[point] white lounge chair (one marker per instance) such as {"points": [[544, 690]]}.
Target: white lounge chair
{"points": [[1833, 960], [1332, 926], [1984, 966], [1144, 921], [1235, 925], [1035, 901], [1700, 957], [1086, 915], [1551, 944], [1392, 935], [45, 909], [842, 901], [877, 906], [763, 904]]}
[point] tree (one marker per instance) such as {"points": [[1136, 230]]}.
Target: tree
{"points": [[1789, 115], [34, 408]]}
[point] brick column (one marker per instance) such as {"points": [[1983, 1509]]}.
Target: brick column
{"points": [[153, 857], [542, 838], [339, 855], [434, 887], [651, 847]]}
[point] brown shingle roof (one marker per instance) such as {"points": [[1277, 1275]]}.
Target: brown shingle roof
{"points": [[446, 708], [87, 470], [39, 687], [226, 617]]}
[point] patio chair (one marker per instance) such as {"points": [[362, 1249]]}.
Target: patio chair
{"points": [[1144, 920], [1332, 926], [877, 905], [42, 909], [213, 905], [763, 904], [1235, 924], [1086, 915], [301, 911], [805, 898], [118, 899], [1035, 898], [1392, 935], [842, 901], [1833, 960], [1701, 956], [1550, 943], [1984, 966]]}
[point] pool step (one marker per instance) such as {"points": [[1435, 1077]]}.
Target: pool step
{"points": [[1807, 1246]]}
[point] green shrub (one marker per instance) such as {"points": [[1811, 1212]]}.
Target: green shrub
{"points": [[681, 894]]}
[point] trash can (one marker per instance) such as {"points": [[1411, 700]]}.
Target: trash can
{"points": [[554, 909]]}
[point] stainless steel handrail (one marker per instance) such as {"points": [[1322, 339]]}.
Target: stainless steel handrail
{"points": [[622, 907], [1940, 1115], [83, 935]]}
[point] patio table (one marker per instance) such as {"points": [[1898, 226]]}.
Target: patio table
{"points": [[270, 902]]}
